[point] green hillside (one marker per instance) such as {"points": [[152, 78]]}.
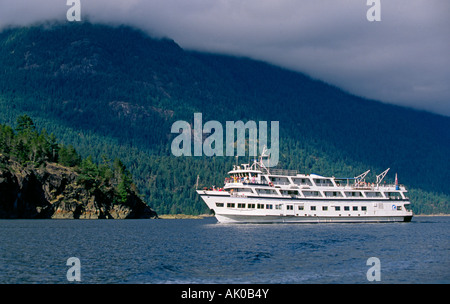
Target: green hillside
{"points": [[116, 92], [40, 178]]}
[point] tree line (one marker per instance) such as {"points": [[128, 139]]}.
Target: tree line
{"points": [[32, 148]]}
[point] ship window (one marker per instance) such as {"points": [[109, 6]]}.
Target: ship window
{"points": [[313, 208], [323, 182], [251, 206], [266, 191], [363, 208], [337, 208], [399, 207], [241, 205], [333, 194], [230, 205], [290, 207], [260, 206], [219, 204], [302, 181], [373, 194], [355, 208], [269, 206], [244, 190], [346, 208], [394, 195], [324, 208], [311, 193], [353, 194], [300, 207]]}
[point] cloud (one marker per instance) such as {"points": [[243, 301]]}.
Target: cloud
{"points": [[403, 59]]}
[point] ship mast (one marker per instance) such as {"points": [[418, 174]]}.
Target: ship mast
{"points": [[361, 177], [262, 157], [381, 176]]}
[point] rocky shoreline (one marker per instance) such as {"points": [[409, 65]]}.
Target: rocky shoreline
{"points": [[51, 191]]}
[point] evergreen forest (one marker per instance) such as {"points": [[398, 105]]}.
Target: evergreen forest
{"points": [[111, 94]]}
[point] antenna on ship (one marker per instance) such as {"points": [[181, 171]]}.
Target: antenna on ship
{"points": [[381, 176], [261, 163], [254, 151]]}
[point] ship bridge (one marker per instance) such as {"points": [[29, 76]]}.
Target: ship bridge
{"points": [[244, 174]]}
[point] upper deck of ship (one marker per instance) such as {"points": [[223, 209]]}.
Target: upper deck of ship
{"points": [[257, 175]]}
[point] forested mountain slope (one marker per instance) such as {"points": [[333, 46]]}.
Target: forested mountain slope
{"points": [[115, 91]]}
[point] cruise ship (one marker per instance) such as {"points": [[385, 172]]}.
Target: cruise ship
{"points": [[258, 194]]}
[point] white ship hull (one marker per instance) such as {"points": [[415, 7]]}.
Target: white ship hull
{"points": [[287, 210], [308, 220]]}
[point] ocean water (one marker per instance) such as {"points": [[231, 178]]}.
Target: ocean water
{"points": [[202, 251]]}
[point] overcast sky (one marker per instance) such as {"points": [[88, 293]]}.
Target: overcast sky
{"points": [[403, 59]]}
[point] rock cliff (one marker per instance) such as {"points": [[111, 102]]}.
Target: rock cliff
{"points": [[52, 191]]}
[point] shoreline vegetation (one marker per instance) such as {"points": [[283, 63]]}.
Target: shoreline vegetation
{"points": [[41, 179]]}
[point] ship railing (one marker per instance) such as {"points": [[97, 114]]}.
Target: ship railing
{"points": [[369, 187], [395, 197], [284, 172], [270, 195], [234, 194], [282, 183], [341, 187], [245, 182], [372, 187]]}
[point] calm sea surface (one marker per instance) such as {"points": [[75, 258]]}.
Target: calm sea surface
{"points": [[202, 251]]}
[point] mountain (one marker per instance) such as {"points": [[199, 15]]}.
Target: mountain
{"points": [[116, 91]]}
